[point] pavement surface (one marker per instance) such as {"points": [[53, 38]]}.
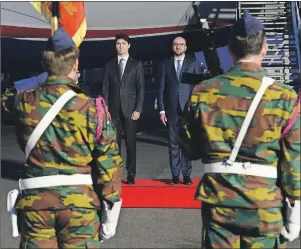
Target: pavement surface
{"points": [[138, 227]]}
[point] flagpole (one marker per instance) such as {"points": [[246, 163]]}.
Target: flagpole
{"points": [[55, 16]]}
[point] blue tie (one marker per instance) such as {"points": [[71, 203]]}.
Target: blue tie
{"points": [[178, 68]]}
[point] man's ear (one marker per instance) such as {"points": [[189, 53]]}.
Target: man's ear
{"points": [[264, 49], [231, 54], [75, 67], [129, 45]]}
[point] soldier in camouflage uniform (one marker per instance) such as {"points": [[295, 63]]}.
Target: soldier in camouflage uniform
{"points": [[65, 216], [240, 210]]}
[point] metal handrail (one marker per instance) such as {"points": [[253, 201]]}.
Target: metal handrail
{"points": [[297, 27]]}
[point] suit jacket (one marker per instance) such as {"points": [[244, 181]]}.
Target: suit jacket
{"points": [[128, 92], [172, 89]]}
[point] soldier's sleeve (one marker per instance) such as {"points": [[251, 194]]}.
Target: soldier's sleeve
{"points": [[107, 158], [290, 164], [190, 141], [8, 100]]}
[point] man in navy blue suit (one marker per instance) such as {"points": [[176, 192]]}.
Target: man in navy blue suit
{"points": [[173, 95]]}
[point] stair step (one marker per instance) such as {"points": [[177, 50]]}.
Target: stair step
{"points": [[261, 3], [270, 22], [265, 7], [280, 56], [280, 66], [279, 77], [273, 28], [264, 16], [284, 71], [270, 13], [278, 60], [272, 17], [277, 36], [278, 73], [283, 49], [291, 52]]}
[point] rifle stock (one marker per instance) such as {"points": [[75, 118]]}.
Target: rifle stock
{"points": [[210, 54], [190, 144]]}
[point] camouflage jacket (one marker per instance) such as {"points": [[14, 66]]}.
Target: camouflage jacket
{"points": [[217, 109], [68, 146]]}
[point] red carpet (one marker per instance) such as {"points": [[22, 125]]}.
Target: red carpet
{"points": [[156, 193]]}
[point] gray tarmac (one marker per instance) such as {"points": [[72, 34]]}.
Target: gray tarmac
{"points": [[138, 227]]}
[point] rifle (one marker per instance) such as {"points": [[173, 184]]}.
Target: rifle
{"points": [[192, 145], [210, 53]]}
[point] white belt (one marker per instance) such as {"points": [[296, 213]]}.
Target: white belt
{"points": [[54, 181], [242, 169], [41, 182]]}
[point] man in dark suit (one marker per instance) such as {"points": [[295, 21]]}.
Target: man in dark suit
{"points": [[177, 94], [123, 90]]}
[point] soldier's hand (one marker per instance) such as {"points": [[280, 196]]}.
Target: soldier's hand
{"points": [[163, 119], [135, 115], [110, 220], [291, 230]]}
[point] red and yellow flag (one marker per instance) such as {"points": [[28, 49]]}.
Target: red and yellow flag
{"points": [[71, 17]]}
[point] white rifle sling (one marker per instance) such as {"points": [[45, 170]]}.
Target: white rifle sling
{"points": [[46, 120], [246, 168], [266, 82]]}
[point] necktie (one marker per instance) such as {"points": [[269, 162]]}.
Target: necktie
{"points": [[121, 67], [178, 68]]}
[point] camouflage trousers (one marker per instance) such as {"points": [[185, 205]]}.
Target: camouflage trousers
{"points": [[241, 228], [76, 228]]}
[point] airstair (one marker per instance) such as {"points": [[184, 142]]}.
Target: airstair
{"points": [[281, 20]]}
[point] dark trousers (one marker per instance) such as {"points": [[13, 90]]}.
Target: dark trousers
{"points": [[177, 160], [129, 129]]}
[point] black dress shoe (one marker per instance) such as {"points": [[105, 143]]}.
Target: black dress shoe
{"points": [[187, 180], [130, 180], [174, 180]]}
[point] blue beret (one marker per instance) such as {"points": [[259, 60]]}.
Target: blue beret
{"points": [[60, 40], [247, 25]]}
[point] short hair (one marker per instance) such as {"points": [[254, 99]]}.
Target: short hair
{"points": [[124, 37], [61, 62], [250, 45]]}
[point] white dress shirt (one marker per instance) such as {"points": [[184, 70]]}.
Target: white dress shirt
{"points": [[181, 58]]}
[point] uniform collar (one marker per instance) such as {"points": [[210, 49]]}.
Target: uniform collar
{"points": [[249, 67], [62, 80]]}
